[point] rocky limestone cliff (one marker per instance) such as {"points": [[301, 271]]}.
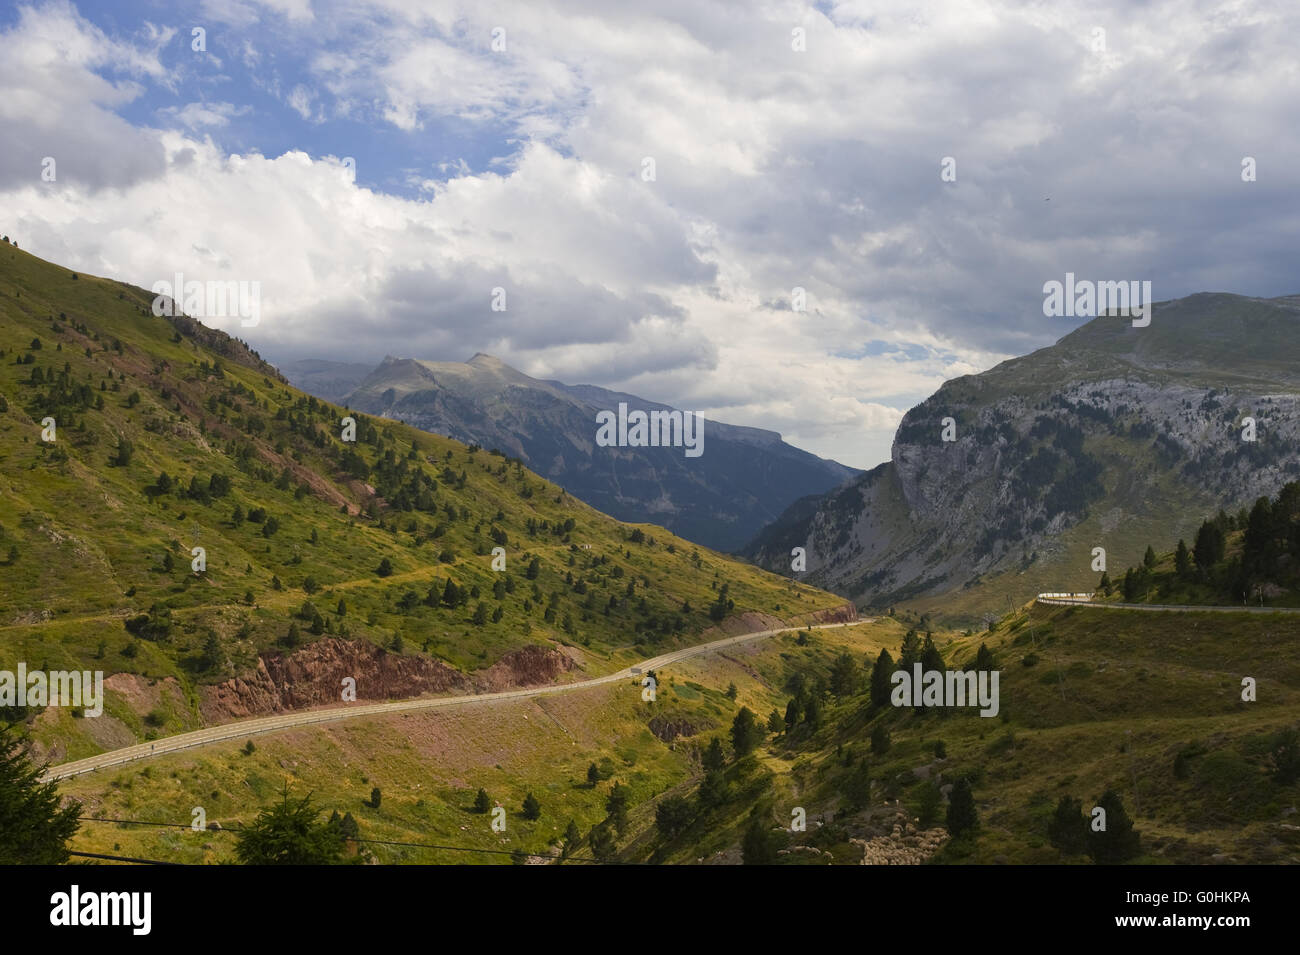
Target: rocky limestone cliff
{"points": [[1095, 441]]}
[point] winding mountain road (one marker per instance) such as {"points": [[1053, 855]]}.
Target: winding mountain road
{"points": [[331, 714]]}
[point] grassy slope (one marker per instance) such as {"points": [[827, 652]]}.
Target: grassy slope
{"points": [[89, 541], [1172, 681], [429, 766]]}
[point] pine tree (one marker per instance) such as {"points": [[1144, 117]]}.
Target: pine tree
{"points": [[758, 846], [572, 836], [672, 815], [616, 806], [844, 675], [348, 827], [812, 713], [774, 722], [713, 790], [880, 740], [1119, 841], [1182, 560], [857, 785], [602, 844], [928, 804], [289, 834], [984, 662], [532, 808], [1149, 558], [745, 732], [714, 759], [931, 658], [880, 684], [791, 715], [34, 830], [1105, 586], [482, 803], [910, 651], [1209, 547], [961, 809], [593, 775], [1068, 829]]}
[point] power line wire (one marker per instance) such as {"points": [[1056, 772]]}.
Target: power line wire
{"points": [[99, 855]]}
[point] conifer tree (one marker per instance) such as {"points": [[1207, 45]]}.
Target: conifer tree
{"points": [[745, 732], [34, 829], [1068, 829], [714, 759], [1119, 841], [880, 685], [961, 809], [532, 808]]}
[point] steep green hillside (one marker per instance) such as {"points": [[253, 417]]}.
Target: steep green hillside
{"points": [[743, 478], [429, 766], [1148, 705], [171, 436]]}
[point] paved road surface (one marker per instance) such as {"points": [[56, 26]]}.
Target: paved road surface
{"points": [[281, 721], [1085, 600]]}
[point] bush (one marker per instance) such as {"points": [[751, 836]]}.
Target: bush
{"points": [[1284, 757]]}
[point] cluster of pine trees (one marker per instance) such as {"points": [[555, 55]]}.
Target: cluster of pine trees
{"points": [[1266, 554]]}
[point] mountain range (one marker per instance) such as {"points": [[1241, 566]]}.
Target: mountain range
{"points": [[1008, 482], [744, 479]]}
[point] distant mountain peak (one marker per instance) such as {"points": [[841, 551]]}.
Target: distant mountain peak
{"points": [[748, 477]]}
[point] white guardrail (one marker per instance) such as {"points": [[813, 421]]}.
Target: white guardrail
{"points": [[1092, 601]]}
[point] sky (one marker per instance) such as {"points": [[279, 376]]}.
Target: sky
{"points": [[649, 184]]}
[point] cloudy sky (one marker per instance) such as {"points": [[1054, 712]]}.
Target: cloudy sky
{"points": [[793, 145]]}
